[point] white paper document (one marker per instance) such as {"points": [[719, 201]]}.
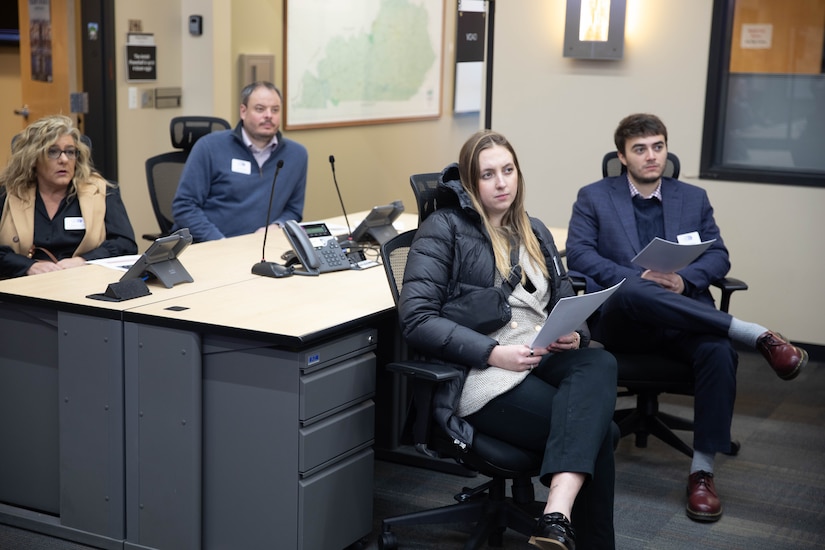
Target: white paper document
{"points": [[669, 257], [119, 263], [569, 313]]}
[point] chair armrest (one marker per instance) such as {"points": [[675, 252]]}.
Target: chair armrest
{"points": [[424, 371], [729, 285], [578, 283]]}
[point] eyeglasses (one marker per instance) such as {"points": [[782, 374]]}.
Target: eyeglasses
{"points": [[54, 153]]}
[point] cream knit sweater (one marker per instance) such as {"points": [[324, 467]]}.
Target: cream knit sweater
{"points": [[528, 316]]}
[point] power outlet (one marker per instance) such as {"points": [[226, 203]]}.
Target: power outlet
{"points": [[133, 97]]}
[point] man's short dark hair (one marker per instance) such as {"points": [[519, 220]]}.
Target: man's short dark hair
{"points": [[638, 125], [249, 88]]}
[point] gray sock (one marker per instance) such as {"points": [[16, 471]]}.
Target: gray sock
{"points": [[744, 332], [702, 461]]}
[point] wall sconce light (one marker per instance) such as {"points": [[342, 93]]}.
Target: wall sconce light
{"points": [[594, 29]]}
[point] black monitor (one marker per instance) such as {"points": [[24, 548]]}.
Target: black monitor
{"points": [[9, 25], [377, 226], [160, 261]]}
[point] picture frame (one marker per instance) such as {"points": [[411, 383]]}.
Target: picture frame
{"points": [[362, 62]]}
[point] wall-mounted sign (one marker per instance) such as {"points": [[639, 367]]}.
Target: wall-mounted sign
{"points": [[469, 59], [141, 57], [757, 36]]}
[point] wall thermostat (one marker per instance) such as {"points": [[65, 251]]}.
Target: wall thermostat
{"points": [[196, 25]]}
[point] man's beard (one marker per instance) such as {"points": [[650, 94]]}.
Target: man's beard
{"points": [[639, 178]]}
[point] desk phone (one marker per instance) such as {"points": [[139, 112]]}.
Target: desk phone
{"points": [[315, 247]]}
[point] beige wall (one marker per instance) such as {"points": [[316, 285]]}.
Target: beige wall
{"points": [[561, 114]]}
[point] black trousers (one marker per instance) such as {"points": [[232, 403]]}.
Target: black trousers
{"points": [[644, 317], [564, 409]]}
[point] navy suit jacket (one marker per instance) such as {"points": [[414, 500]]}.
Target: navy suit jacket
{"points": [[602, 238]]}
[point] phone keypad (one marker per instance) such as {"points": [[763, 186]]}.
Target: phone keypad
{"points": [[333, 257]]}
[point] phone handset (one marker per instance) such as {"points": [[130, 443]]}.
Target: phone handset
{"points": [[329, 257]]}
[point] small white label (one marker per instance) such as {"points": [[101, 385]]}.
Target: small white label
{"points": [[241, 166], [688, 238], [74, 224]]}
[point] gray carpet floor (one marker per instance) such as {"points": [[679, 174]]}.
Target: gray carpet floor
{"points": [[773, 492]]}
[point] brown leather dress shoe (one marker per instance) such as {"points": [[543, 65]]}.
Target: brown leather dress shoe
{"points": [[702, 502], [784, 358]]}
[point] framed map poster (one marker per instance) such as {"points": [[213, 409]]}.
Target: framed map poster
{"points": [[362, 61]]}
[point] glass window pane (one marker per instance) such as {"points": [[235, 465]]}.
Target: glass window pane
{"points": [[776, 122], [765, 104]]}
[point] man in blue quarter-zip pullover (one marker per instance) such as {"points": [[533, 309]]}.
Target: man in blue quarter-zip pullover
{"points": [[225, 187]]}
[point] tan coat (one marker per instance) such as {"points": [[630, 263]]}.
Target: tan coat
{"points": [[17, 221]]}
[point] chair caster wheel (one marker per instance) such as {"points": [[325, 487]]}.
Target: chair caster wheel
{"points": [[387, 541]]}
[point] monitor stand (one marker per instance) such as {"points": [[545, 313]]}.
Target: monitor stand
{"points": [[170, 272], [382, 233]]}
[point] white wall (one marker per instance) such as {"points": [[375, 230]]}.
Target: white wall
{"points": [[143, 133], [560, 114]]}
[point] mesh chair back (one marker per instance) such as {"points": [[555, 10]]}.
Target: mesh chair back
{"points": [[163, 171], [394, 256], [612, 166], [428, 197], [186, 130], [163, 174]]}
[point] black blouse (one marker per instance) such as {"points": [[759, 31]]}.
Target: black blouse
{"points": [[60, 236]]}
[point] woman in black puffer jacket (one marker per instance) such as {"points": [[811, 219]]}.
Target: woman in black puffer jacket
{"points": [[557, 400]]}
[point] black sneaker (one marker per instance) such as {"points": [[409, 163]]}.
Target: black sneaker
{"points": [[554, 532]]}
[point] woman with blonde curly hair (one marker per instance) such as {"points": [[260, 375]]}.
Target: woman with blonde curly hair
{"points": [[57, 211]]}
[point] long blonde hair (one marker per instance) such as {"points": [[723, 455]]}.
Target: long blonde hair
{"points": [[32, 145], [515, 225]]}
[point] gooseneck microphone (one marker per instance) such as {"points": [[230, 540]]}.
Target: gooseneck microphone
{"points": [[264, 268], [338, 190]]}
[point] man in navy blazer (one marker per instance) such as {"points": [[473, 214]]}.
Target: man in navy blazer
{"points": [[673, 313]]}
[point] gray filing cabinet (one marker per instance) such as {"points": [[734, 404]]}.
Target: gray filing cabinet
{"points": [[241, 444]]}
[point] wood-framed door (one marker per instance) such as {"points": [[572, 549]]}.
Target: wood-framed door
{"points": [[77, 56], [49, 58]]}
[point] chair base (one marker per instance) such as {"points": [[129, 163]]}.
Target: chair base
{"points": [[408, 456], [659, 424], [646, 420], [486, 505]]}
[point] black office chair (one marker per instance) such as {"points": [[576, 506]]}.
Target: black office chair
{"points": [[648, 375], [487, 505], [612, 166], [163, 171], [427, 195]]}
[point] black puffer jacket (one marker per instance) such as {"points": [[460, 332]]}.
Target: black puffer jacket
{"points": [[451, 255]]}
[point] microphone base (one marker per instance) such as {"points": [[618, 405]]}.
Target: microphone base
{"points": [[272, 269]]}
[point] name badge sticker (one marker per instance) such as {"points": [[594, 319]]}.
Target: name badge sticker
{"points": [[74, 224], [688, 238], [241, 166]]}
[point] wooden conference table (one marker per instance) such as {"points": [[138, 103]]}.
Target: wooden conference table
{"points": [[236, 411], [232, 412]]}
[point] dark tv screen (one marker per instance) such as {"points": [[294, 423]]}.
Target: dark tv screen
{"points": [[9, 25]]}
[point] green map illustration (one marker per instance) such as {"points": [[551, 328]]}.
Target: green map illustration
{"points": [[386, 65]]}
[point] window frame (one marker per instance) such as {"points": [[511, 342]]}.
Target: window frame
{"points": [[711, 165]]}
